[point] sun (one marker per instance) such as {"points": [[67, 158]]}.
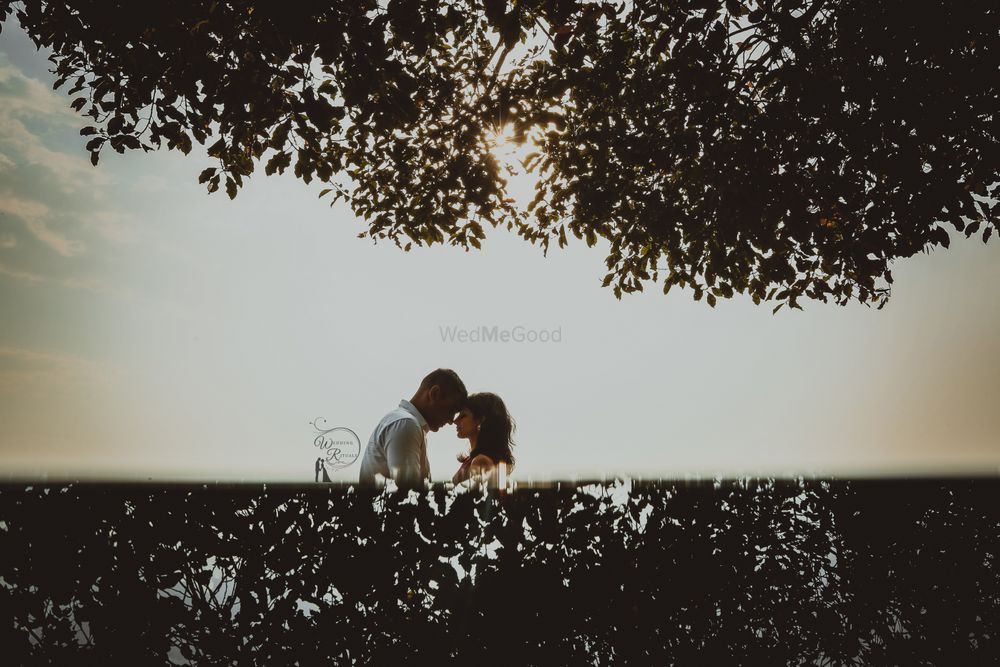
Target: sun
{"points": [[501, 135], [510, 154]]}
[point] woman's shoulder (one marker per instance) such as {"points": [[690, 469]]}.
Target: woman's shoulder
{"points": [[482, 460], [485, 461]]}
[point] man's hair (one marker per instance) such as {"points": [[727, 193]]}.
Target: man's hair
{"points": [[448, 380]]}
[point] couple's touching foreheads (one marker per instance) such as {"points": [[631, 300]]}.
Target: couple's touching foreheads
{"points": [[397, 448]]}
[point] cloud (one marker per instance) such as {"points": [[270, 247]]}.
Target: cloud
{"points": [[113, 226], [22, 94], [150, 183], [23, 98], [26, 99], [25, 209], [33, 214], [36, 356], [95, 285], [62, 245], [23, 276], [49, 183], [38, 370], [98, 286], [70, 173]]}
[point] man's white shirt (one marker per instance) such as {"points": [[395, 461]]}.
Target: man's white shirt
{"points": [[397, 448]]}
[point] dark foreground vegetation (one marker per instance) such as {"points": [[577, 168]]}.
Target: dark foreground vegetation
{"points": [[763, 571]]}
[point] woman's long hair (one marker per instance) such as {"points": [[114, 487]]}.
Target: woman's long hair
{"points": [[497, 427]]}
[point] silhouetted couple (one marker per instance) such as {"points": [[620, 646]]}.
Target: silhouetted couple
{"points": [[397, 448]]}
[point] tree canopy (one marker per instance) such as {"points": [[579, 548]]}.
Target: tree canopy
{"points": [[780, 149]]}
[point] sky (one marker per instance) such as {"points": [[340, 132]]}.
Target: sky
{"points": [[151, 331]]}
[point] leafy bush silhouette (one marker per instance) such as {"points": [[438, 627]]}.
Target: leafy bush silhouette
{"points": [[750, 571]]}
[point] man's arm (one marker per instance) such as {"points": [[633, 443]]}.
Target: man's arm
{"points": [[403, 453]]}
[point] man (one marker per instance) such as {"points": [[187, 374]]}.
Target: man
{"points": [[397, 448]]}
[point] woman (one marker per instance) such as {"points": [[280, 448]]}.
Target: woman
{"points": [[485, 422]]}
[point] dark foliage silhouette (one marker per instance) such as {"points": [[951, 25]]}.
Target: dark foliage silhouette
{"points": [[737, 572], [779, 149]]}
